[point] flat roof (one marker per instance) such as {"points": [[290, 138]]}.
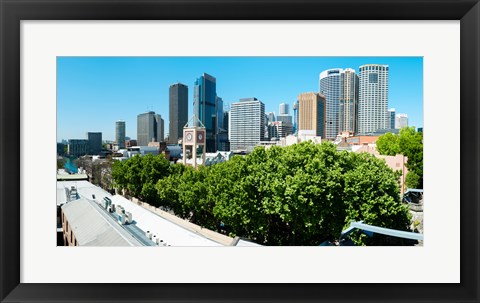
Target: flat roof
{"points": [[93, 227]]}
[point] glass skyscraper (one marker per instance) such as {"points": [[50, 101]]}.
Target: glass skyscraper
{"points": [[330, 87], [120, 134], [373, 99], [94, 143], [205, 110], [178, 111]]}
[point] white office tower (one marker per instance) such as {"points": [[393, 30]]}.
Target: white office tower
{"points": [[247, 124], [284, 109], [373, 112], [401, 121], [330, 87]]}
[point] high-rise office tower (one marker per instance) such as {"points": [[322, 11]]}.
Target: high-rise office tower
{"points": [[311, 114], [204, 108], [94, 143], [150, 128], [330, 87], [295, 116], [347, 108], [120, 134], [247, 124], [391, 112], [373, 98], [284, 109], [271, 117], [222, 129], [401, 121], [178, 114]]}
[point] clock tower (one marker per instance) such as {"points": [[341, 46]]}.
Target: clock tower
{"points": [[193, 141]]}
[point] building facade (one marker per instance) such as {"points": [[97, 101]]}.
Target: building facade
{"points": [[150, 128], [312, 113], [295, 116], [347, 108], [391, 112], [373, 98], [178, 111], [120, 134], [330, 87], [247, 124], [77, 147], [205, 108], [279, 129], [401, 121], [284, 110], [94, 143]]}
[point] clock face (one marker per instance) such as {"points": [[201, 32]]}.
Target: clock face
{"points": [[189, 137], [201, 137]]}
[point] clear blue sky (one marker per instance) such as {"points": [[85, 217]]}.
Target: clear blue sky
{"points": [[94, 92]]}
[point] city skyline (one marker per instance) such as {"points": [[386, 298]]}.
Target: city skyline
{"points": [[103, 90]]}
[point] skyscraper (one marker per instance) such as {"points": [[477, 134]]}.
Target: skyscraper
{"points": [[347, 108], [150, 128], [178, 114], [204, 106], [271, 117], [247, 124], [120, 134], [391, 111], [373, 98], [222, 129], [94, 143], [311, 113], [401, 121], [295, 116], [284, 109], [330, 87]]}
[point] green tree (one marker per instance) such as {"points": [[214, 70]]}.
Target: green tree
{"points": [[388, 145], [408, 143]]}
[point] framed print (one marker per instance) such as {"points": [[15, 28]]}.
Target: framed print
{"points": [[41, 40]]}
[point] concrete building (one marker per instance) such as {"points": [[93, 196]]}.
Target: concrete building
{"points": [[120, 134], [94, 143], [347, 107], [247, 121], [94, 217], [178, 111], [401, 121], [279, 129], [77, 147], [205, 108], [150, 128], [311, 113], [271, 117], [285, 119], [373, 98], [329, 84], [284, 110]]}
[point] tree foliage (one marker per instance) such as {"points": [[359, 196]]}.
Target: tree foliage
{"points": [[410, 144], [303, 194]]}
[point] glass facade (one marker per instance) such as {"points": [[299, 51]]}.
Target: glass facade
{"points": [[178, 101], [204, 103]]}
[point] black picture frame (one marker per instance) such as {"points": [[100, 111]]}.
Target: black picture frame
{"points": [[13, 11]]}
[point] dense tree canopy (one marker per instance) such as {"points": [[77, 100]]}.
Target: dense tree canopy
{"points": [[410, 144], [303, 194]]}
